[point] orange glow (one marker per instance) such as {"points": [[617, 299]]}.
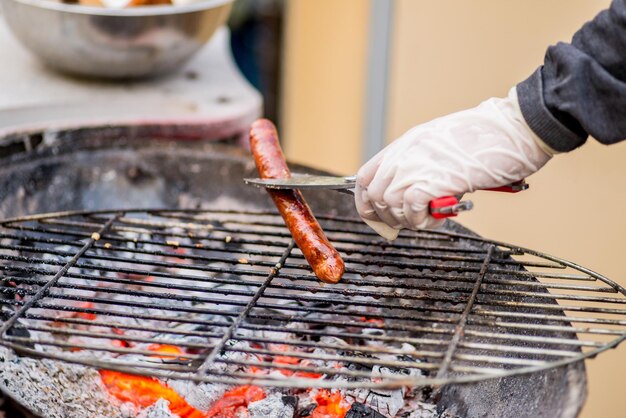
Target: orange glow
{"points": [[372, 320], [257, 370], [86, 315], [179, 260], [294, 361], [286, 360], [165, 349], [144, 391], [235, 402], [136, 277], [309, 375], [329, 405], [120, 343], [72, 314]]}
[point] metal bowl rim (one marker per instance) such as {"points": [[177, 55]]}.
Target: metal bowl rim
{"points": [[127, 12]]}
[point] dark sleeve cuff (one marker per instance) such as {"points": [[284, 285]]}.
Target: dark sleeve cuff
{"points": [[543, 123]]}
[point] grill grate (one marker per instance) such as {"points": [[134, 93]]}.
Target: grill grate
{"points": [[234, 296]]}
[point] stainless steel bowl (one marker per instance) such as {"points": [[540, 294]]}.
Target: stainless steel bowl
{"points": [[114, 43]]}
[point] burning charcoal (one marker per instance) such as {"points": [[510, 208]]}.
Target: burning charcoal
{"points": [[360, 410], [160, 409], [200, 396], [305, 407], [291, 400], [274, 406], [387, 402]]}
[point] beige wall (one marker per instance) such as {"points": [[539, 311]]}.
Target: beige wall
{"points": [[448, 56], [322, 106]]}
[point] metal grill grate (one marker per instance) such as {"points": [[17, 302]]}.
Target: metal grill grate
{"points": [[236, 300]]}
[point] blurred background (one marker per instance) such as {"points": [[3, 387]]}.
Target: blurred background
{"points": [[343, 78]]}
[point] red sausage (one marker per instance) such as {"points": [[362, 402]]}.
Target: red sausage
{"points": [[306, 231]]}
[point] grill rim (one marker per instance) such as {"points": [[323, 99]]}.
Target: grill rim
{"points": [[292, 381]]}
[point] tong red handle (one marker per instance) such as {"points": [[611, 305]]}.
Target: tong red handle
{"points": [[449, 206], [515, 187]]}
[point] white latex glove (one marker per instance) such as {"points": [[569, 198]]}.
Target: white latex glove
{"points": [[487, 146]]}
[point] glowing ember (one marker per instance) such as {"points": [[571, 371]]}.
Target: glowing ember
{"points": [[136, 277], [179, 260], [86, 315], [284, 359], [120, 343], [329, 404], [144, 391], [235, 402], [169, 350], [295, 361], [372, 320]]}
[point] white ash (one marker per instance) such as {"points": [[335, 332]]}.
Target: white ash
{"points": [[423, 410], [261, 334], [234, 357], [273, 406], [55, 389], [160, 409], [426, 410], [128, 410], [386, 402]]}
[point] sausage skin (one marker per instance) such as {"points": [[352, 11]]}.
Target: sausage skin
{"points": [[305, 230]]}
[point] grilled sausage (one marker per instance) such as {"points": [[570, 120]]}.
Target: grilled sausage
{"points": [[306, 231]]}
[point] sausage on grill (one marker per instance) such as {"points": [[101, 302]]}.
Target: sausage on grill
{"points": [[306, 231]]}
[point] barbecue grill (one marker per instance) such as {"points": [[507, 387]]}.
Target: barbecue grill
{"points": [[219, 278], [462, 304]]}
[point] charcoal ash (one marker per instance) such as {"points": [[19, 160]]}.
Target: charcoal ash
{"points": [[273, 406], [426, 410], [55, 389], [387, 402], [359, 410], [128, 409], [160, 409]]}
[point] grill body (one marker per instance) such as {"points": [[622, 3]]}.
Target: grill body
{"points": [[117, 168]]}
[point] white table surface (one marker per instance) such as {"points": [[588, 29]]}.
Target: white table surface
{"points": [[208, 88]]}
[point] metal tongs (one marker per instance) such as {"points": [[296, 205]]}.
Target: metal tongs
{"points": [[443, 207]]}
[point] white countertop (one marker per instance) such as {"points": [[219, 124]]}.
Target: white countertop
{"points": [[208, 88]]}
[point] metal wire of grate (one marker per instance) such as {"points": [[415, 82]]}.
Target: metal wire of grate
{"points": [[226, 297]]}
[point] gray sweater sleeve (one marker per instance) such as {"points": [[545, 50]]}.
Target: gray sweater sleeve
{"points": [[581, 88]]}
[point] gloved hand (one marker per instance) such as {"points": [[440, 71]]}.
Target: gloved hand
{"points": [[487, 146]]}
